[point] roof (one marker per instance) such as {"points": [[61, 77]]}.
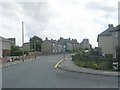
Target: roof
{"points": [[108, 31], [105, 33], [53, 41], [62, 40], [4, 39], [85, 41], [26, 43], [117, 28]]}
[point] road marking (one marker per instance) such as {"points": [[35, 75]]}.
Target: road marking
{"points": [[58, 63]]}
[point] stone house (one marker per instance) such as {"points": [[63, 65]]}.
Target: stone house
{"points": [[13, 40], [26, 46], [108, 40], [75, 44], [5, 47], [50, 47], [85, 44], [69, 44]]}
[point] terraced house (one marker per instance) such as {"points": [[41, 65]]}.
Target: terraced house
{"points": [[108, 40], [70, 44], [85, 44], [58, 46], [50, 47]]}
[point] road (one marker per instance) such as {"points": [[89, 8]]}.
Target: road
{"points": [[41, 73]]}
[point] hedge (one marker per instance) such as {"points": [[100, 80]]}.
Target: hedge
{"points": [[95, 63]]}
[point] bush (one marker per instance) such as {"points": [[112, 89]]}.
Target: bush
{"points": [[15, 51], [26, 52], [108, 56], [81, 64], [95, 66], [95, 63]]}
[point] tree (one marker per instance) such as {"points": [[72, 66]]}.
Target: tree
{"points": [[35, 43], [15, 51]]}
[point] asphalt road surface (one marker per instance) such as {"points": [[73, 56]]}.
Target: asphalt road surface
{"points": [[41, 73]]}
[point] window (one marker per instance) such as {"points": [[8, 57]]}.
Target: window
{"points": [[53, 51], [116, 34], [53, 44]]}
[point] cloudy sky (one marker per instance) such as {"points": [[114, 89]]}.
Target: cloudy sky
{"points": [[76, 19]]}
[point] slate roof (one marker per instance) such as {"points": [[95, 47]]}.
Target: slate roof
{"points": [[4, 39], [117, 28], [62, 40], [106, 32]]}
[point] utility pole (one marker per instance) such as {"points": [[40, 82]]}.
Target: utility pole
{"points": [[22, 41]]}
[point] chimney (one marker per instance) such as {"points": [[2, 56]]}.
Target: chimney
{"points": [[61, 37], [110, 26], [46, 38]]}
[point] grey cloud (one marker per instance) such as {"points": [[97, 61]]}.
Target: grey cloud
{"points": [[5, 5], [37, 10], [6, 9], [35, 30], [119, 13], [100, 6]]}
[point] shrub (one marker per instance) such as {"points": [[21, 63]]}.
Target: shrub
{"points": [[108, 56], [95, 63], [26, 52], [15, 50], [95, 66]]}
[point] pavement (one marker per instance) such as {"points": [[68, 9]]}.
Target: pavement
{"points": [[16, 62], [69, 65]]}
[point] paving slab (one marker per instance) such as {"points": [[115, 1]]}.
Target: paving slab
{"points": [[69, 65]]}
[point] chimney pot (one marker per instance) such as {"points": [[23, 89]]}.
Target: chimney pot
{"points": [[110, 25]]}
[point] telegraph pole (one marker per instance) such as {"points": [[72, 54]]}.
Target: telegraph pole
{"points": [[22, 41]]}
